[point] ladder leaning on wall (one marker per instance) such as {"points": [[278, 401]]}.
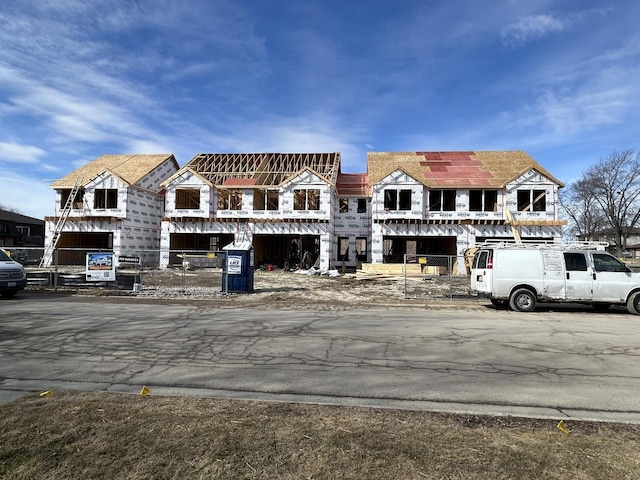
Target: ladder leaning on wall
{"points": [[57, 230]]}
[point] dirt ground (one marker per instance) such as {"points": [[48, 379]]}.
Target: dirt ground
{"points": [[287, 288]]}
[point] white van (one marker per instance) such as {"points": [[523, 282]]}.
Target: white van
{"points": [[522, 275]]}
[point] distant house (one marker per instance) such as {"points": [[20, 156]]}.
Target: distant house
{"points": [[18, 231], [113, 203], [631, 241]]}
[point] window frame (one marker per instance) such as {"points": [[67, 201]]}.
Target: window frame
{"points": [[185, 198], [343, 253], [397, 199], [78, 200], [535, 198], [305, 199], [445, 200], [23, 230], [266, 199], [481, 204], [361, 252]]}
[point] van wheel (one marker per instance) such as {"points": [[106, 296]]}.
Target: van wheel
{"points": [[633, 304], [523, 300]]}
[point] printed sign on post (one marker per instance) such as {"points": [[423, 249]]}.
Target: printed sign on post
{"points": [[234, 264], [100, 267]]}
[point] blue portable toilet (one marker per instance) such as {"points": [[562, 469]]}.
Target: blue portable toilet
{"points": [[239, 268]]}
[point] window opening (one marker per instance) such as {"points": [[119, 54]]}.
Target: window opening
{"points": [[258, 199], [390, 199], [539, 200], [344, 205], [362, 205], [405, 200], [105, 198], [235, 199], [314, 199], [306, 199], [188, 198], [442, 200], [272, 200], [532, 200], [575, 262], [223, 200], [361, 249], [78, 200], [343, 249], [483, 200]]}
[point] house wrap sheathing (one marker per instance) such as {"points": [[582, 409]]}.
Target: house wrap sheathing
{"points": [[283, 203], [118, 206], [299, 209], [446, 202]]}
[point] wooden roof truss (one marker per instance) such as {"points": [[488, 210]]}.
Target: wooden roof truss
{"points": [[267, 169]]}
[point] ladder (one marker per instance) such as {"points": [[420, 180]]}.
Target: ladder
{"points": [[57, 230]]}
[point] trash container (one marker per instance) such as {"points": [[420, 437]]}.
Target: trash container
{"points": [[238, 275]]}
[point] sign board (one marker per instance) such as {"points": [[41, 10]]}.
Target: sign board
{"points": [[100, 267], [128, 259], [234, 264]]}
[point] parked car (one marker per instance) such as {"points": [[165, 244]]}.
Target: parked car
{"points": [[13, 277], [20, 256], [520, 276]]}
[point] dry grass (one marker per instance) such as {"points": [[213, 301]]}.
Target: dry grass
{"points": [[117, 436]]}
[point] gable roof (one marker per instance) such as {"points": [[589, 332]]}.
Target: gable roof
{"points": [[130, 168], [470, 169], [263, 169]]}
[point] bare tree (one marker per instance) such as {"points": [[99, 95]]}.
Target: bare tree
{"points": [[580, 206], [7, 208], [615, 183]]}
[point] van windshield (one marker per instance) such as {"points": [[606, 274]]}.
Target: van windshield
{"points": [[604, 262]]}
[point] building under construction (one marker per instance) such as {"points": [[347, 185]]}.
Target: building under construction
{"points": [[299, 209]]}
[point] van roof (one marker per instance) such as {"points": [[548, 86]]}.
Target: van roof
{"points": [[547, 245]]}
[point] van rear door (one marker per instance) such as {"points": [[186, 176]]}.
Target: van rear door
{"points": [[481, 271]]}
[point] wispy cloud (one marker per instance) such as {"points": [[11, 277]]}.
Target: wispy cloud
{"points": [[14, 152], [533, 27], [29, 196]]}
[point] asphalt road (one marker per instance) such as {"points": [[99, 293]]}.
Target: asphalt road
{"points": [[558, 364]]}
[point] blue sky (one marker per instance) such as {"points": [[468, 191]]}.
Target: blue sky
{"points": [[79, 79]]}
